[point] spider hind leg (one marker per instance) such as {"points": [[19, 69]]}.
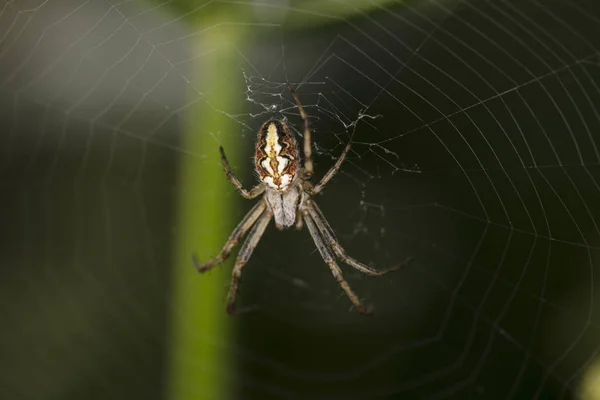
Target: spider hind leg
{"points": [[308, 163]]}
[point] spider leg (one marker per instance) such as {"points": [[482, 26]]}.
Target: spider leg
{"points": [[244, 255], [332, 171], [308, 164], [329, 236], [327, 255], [255, 191], [239, 231], [298, 221]]}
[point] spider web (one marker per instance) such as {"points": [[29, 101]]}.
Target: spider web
{"points": [[474, 127]]}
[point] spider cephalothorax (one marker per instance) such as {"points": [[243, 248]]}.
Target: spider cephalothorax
{"points": [[287, 199]]}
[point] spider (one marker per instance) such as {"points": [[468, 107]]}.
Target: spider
{"points": [[287, 197]]}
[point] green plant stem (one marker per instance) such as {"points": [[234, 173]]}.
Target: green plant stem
{"points": [[200, 366]]}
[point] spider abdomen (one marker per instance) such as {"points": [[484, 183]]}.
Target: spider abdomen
{"points": [[284, 205], [276, 157]]}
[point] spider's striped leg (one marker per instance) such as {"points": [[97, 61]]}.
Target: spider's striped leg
{"points": [[244, 255], [239, 231], [329, 236], [255, 191], [332, 171], [308, 163], [327, 255], [298, 221]]}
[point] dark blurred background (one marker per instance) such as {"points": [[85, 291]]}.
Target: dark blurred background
{"points": [[475, 127]]}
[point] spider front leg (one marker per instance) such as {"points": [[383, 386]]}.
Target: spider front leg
{"points": [[329, 236], [255, 191], [239, 231], [243, 257], [299, 221], [327, 255]]}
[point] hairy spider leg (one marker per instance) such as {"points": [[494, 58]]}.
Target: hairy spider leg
{"points": [[308, 163], [335, 269], [240, 230], [244, 255], [329, 236], [255, 191]]}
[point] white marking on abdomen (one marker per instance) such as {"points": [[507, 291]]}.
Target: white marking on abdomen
{"points": [[269, 181], [286, 179], [272, 140], [282, 162], [266, 163]]}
